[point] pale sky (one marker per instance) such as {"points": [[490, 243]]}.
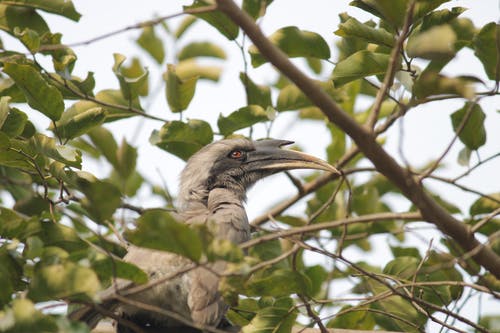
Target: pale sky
{"points": [[427, 130]]}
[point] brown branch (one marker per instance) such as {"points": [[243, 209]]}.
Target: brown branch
{"points": [[365, 140], [329, 225]]}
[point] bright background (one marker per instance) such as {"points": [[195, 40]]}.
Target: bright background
{"points": [[427, 129]]}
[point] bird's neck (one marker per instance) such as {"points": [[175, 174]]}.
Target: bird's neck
{"points": [[224, 210], [203, 199]]}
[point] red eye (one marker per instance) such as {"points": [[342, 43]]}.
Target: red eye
{"points": [[236, 154]]}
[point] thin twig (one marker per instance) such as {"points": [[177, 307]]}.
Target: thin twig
{"points": [[459, 130], [140, 25], [391, 68]]}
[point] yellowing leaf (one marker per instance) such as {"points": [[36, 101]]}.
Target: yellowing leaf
{"points": [[66, 280], [189, 68], [130, 85], [151, 44], [435, 43], [179, 91], [201, 49]]}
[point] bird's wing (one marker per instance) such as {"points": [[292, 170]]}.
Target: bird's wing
{"points": [[204, 299]]}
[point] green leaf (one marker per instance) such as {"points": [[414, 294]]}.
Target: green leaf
{"points": [[402, 267], [104, 141], [179, 91], [39, 93], [185, 24], [22, 317], [60, 236], [14, 225], [292, 221], [317, 275], [11, 272], [359, 318], [391, 11], [107, 268], [359, 65], [398, 251], [136, 71], [126, 159], [22, 18], [66, 280], [101, 198], [273, 319], [473, 134], [77, 121], [256, 94], [14, 123], [183, 139], [63, 57], [292, 98], [224, 249], [430, 83], [112, 97], [157, 229], [435, 43], [189, 68], [255, 8], [241, 118], [439, 17], [295, 43], [487, 48], [29, 38], [484, 205], [75, 87], [47, 147], [152, 44], [355, 29], [315, 65], [128, 186], [130, 86], [60, 7], [216, 19], [201, 49], [33, 205]]}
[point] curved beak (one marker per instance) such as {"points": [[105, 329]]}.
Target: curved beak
{"points": [[268, 156]]}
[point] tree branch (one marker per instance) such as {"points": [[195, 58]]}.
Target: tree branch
{"points": [[365, 140]]}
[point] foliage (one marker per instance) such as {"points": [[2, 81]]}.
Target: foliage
{"points": [[58, 222]]}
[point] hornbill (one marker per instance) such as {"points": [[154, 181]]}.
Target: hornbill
{"points": [[212, 191]]}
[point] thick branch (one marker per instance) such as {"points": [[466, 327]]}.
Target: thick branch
{"points": [[365, 140]]}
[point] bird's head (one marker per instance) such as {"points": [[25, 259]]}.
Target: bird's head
{"points": [[236, 164]]}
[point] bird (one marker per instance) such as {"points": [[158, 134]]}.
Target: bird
{"points": [[212, 190]]}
